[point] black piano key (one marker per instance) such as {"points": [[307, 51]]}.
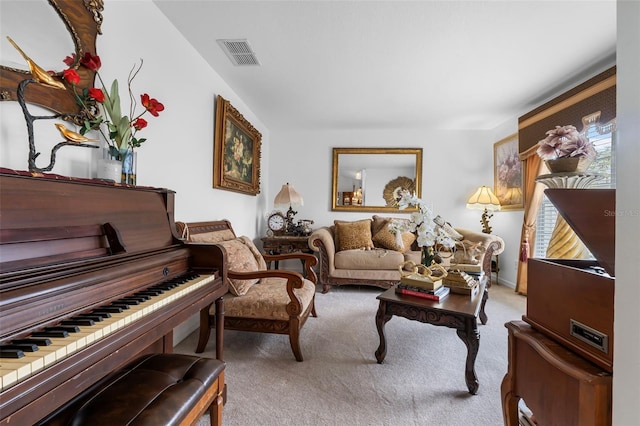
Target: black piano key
{"points": [[95, 318], [108, 309], [25, 347], [142, 297], [101, 314], [129, 301], [67, 328], [121, 305], [11, 353], [152, 293], [50, 333], [39, 342], [78, 321]]}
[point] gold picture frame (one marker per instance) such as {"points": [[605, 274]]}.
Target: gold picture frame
{"points": [[508, 173], [236, 153]]}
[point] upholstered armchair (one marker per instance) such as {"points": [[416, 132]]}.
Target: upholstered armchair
{"points": [[259, 299]]}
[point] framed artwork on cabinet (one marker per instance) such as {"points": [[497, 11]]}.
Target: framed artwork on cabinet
{"points": [[508, 173], [236, 153]]}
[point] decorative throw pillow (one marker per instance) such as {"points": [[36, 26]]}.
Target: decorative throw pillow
{"points": [[386, 239], [262, 265], [240, 259], [354, 235], [213, 237]]}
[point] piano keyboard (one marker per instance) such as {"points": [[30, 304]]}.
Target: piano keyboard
{"points": [[56, 343]]}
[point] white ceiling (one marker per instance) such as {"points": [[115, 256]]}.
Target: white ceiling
{"points": [[396, 64]]}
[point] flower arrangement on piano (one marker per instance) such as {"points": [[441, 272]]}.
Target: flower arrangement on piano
{"points": [[102, 106]]}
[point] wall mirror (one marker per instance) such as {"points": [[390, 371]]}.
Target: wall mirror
{"points": [[370, 179], [48, 31]]}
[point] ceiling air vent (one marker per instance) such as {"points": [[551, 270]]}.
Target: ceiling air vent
{"points": [[239, 51]]}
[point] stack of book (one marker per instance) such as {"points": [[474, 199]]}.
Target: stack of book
{"points": [[431, 290]]}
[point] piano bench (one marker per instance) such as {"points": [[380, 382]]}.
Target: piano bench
{"points": [[155, 389]]}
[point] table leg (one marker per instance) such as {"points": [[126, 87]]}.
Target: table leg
{"points": [[471, 338], [381, 319]]}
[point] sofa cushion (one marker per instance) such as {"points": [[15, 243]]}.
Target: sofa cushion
{"points": [[354, 235], [386, 239], [267, 300], [240, 259], [376, 259]]}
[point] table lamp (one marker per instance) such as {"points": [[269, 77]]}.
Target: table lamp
{"points": [[484, 199], [288, 197]]}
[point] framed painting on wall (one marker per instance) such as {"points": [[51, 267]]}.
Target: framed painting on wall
{"points": [[508, 173], [236, 153]]}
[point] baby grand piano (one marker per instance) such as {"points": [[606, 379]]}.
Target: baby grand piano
{"points": [[92, 275]]}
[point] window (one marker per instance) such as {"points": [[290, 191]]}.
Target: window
{"points": [[603, 138]]}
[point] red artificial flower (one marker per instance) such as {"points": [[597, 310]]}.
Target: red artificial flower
{"points": [[70, 60], [140, 123], [70, 75], [90, 61], [151, 104], [96, 94]]}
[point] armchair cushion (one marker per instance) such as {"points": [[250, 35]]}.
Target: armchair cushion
{"points": [[354, 235], [268, 300], [240, 259]]}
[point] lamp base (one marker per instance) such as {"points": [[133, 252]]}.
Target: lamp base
{"points": [[485, 221]]}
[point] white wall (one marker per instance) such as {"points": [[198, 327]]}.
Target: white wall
{"points": [[626, 362]]}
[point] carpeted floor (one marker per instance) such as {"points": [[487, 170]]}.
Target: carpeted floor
{"points": [[420, 383]]}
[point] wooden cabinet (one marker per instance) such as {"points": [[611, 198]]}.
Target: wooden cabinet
{"points": [[560, 387], [561, 355]]}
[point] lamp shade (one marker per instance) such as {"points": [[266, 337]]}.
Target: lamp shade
{"points": [[288, 197], [483, 199]]}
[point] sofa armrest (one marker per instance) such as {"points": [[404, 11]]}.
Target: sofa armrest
{"points": [[321, 241], [492, 243]]}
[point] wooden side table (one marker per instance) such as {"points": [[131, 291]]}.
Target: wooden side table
{"points": [[282, 244]]}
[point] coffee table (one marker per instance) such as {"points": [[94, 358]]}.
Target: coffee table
{"points": [[455, 311]]}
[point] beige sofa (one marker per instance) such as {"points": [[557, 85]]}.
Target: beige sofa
{"points": [[376, 263]]}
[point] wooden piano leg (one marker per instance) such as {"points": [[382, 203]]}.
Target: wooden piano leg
{"points": [[205, 328], [219, 327]]}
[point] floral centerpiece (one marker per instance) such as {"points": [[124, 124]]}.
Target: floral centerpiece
{"points": [[101, 106], [565, 150], [427, 226]]}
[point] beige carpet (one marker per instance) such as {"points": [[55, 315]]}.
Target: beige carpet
{"points": [[420, 383]]}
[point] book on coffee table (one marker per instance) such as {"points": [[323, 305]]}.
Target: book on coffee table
{"points": [[436, 295]]}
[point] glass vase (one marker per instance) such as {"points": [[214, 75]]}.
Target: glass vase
{"points": [[109, 164], [129, 167], [427, 256]]}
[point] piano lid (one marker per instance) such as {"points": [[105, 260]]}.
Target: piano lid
{"points": [[591, 213]]}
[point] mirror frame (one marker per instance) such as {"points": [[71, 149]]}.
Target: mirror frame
{"points": [[83, 20], [382, 151]]}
